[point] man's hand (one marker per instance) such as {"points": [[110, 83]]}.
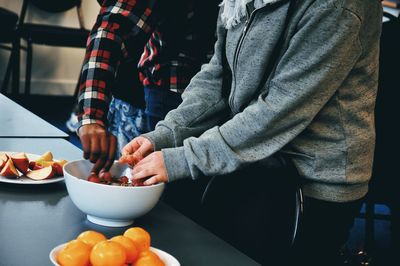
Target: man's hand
{"points": [[98, 145], [136, 150], [153, 168]]}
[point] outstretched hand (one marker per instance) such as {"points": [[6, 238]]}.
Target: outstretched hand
{"points": [[136, 150], [98, 145]]}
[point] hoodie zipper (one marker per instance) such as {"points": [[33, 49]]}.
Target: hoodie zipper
{"points": [[249, 19]]}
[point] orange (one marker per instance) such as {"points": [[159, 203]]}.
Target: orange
{"points": [[108, 253], [91, 238], [130, 248], [75, 253], [140, 237], [148, 258]]}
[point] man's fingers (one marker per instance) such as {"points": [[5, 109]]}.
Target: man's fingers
{"points": [[104, 144], [98, 165], [142, 171], [85, 140], [129, 159], [153, 180], [111, 152], [131, 147], [94, 149], [142, 152]]}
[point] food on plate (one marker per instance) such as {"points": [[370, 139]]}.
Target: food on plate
{"points": [[20, 161], [3, 159], [75, 253], [91, 238], [140, 237], [47, 156], [130, 249], [148, 257], [120, 250], [108, 253], [9, 170], [41, 174], [15, 165]]}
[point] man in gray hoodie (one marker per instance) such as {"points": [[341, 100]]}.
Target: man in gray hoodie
{"points": [[316, 106]]}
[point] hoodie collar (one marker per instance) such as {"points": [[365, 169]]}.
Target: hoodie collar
{"points": [[235, 10]]}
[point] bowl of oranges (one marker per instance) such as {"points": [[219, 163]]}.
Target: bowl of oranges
{"points": [[114, 203], [94, 249]]}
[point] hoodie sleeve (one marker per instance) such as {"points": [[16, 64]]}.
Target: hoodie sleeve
{"points": [[305, 79]]}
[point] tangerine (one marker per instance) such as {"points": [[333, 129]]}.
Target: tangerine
{"points": [[75, 253], [149, 258], [130, 248], [140, 237], [91, 238], [107, 253]]}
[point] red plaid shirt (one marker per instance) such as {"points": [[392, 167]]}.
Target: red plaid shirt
{"points": [[124, 30]]}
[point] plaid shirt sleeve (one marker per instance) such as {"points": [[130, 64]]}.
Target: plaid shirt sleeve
{"points": [[121, 26]]}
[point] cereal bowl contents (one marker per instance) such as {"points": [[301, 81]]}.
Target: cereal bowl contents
{"points": [[108, 205]]}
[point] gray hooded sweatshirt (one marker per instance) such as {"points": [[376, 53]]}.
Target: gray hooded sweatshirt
{"points": [[317, 106]]}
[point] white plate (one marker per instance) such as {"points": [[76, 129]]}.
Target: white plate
{"points": [[25, 180], [168, 259]]}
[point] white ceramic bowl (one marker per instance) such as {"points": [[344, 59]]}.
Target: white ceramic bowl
{"points": [[107, 205]]}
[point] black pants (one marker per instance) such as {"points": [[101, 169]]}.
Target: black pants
{"points": [[254, 210], [324, 229]]}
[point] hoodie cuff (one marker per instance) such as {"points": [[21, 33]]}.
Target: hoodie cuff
{"points": [[161, 138], [176, 164]]}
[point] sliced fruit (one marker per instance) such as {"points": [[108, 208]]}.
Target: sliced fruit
{"points": [[3, 156], [3, 159], [45, 163], [21, 162], [47, 156], [93, 177], [2, 163], [58, 169], [9, 170], [35, 165], [106, 176], [41, 174], [62, 162]]}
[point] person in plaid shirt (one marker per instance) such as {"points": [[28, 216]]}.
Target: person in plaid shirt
{"points": [[141, 54]]}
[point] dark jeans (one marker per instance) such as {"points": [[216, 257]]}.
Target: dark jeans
{"points": [[324, 229], [160, 101], [253, 210]]}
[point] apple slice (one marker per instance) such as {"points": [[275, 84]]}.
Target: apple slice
{"points": [[2, 163], [3, 159], [58, 169], [9, 170], [62, 162], [21, 162], [3, 156], [47, 156], [41, 174]]}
